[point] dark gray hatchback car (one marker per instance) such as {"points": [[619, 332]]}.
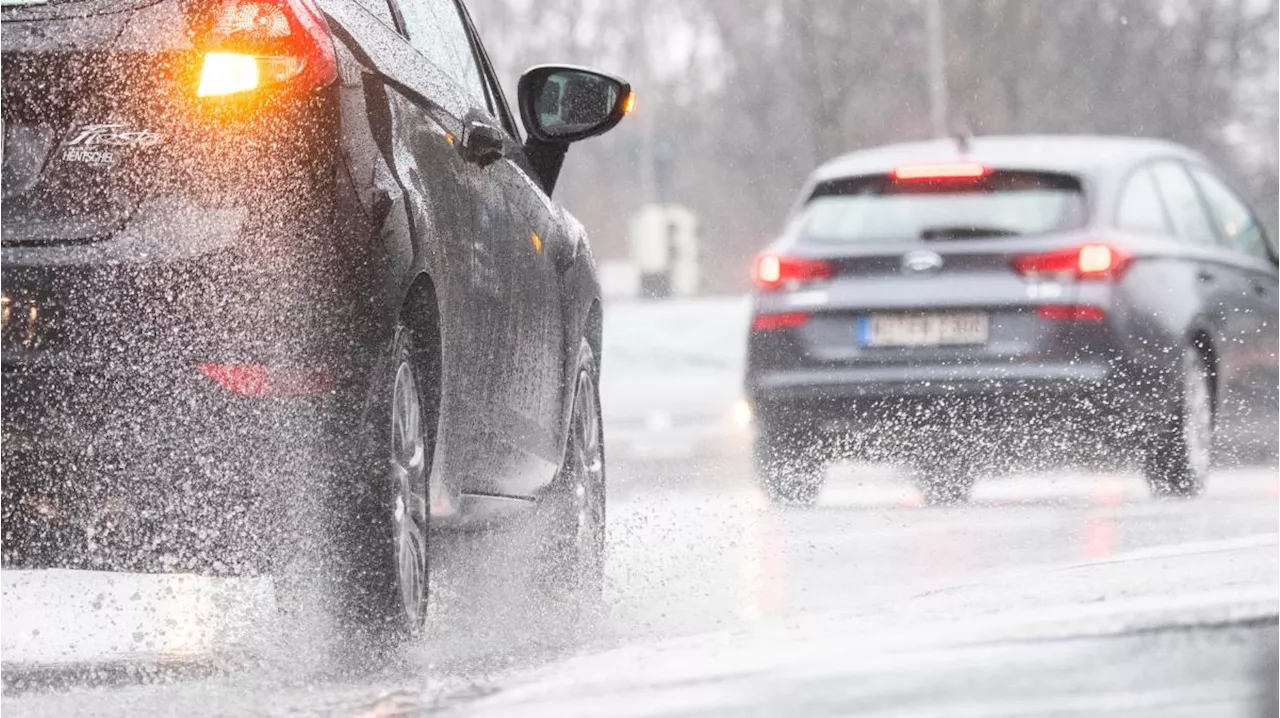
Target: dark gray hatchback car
{"points": [[962, 306], [285, 292]]}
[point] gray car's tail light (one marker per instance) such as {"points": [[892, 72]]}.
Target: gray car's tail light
{"points": [[1092, 261], [1071, 312], [941, 171], [775, 322], [774, 271]]}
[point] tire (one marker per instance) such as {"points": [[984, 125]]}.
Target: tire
{"points": [[361, 559], [1179, 454], [790, 464], [944, 480], [572, 513]]}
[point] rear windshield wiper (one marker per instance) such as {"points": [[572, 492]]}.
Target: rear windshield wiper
{"points": [[965, 232]]}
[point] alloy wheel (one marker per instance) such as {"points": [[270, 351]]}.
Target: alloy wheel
{"points": [[408, 476], [588, 483]]}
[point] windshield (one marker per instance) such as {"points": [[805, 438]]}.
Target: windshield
{"points": [[877, 209]]}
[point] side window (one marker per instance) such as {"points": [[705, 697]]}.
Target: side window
{"points": [[501, 109], [1141, 209], [435, 28], [497, 100], [1183, 201], [1235, 222]]}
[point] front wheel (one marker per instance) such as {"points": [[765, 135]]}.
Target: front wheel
{"points": [[573, 510], [1177, 458]]}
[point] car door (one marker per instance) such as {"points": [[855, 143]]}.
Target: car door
{"points": [[418, 183], [1219, 286], [1249, 379], [478, 451], [530, 227], [503, 325]]}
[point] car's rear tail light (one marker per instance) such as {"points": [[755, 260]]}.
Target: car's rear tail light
{"points": [[1072, 313], [774, 322], [773, 271], [260, 380], [1090, 261], [941, 171], [250, 44]]}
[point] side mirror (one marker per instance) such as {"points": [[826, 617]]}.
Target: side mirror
{"points": [[561, 104]]}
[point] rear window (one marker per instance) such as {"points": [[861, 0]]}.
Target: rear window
{"points": [[880, 208]]}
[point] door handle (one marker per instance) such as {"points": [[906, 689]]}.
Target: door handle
{"points": [[483, 144], [1205, 276]]}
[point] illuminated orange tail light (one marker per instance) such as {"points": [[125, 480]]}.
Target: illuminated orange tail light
{"points": [[251, 44]]}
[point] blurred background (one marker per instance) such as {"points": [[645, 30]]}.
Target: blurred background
{"points": [[738, 100]]}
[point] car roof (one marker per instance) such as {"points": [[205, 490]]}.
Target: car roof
{"points": [[1069, 154]]}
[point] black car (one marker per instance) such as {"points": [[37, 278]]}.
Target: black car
{"points": [[283, 285], [971, 304]]}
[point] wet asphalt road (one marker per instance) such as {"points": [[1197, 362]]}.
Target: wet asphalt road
{"points": [[1062, 595]]}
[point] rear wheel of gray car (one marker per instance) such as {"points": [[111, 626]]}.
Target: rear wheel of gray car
{"points": [[791, 464], [1178, 456], [944, 480]]}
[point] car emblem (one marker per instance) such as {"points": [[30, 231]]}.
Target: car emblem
{"points": [[921, 261]]}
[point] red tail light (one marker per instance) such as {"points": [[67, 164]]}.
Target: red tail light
{"points": [[249, 44], [1072, 313], [1091, 261], [260, 380], [773, 322], [774, 271]]}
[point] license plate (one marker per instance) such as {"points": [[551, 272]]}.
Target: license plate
{"points": [[922, 330]]}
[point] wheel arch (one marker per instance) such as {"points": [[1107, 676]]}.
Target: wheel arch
{"points": [[419, 313], [593, 330], [583, 313]]}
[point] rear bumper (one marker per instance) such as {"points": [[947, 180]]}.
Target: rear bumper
{"points": [[118, 452], [889, 382], [1041, 412], [152, 474]]}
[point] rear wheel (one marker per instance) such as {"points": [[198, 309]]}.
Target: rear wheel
{"points": [[791, 464], [364, 561], [1178, 456]]}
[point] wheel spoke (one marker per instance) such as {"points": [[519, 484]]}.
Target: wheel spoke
{"points": [[416, 459]]}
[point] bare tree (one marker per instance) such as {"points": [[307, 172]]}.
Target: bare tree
{"points": [[745, 97]]}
